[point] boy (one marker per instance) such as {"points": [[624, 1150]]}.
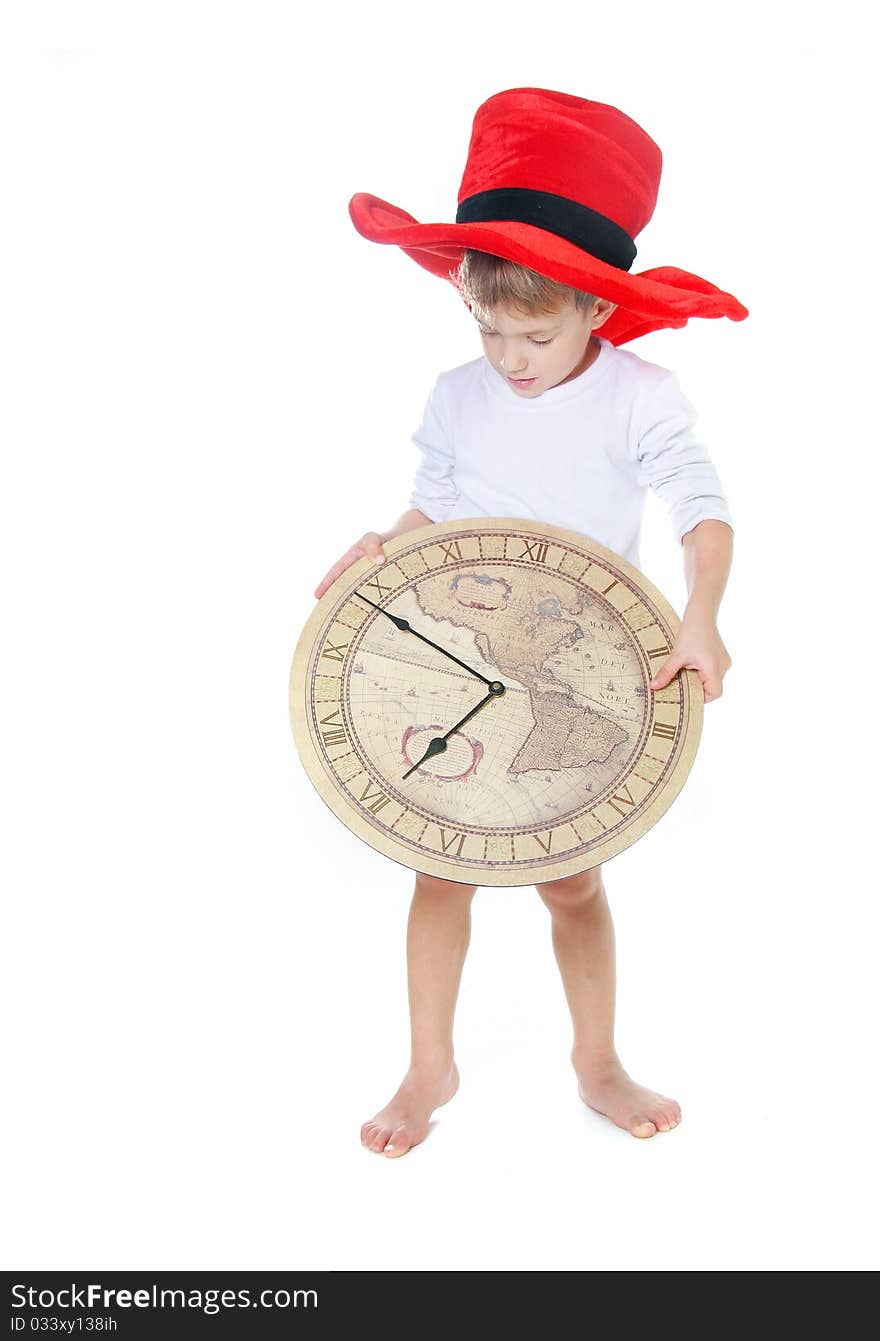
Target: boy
{"points": [[582, 429]]}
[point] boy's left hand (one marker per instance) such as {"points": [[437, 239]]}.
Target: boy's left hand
{"points": [[698, 647]]}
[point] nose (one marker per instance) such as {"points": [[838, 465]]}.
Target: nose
{"points": [[512, 364]]}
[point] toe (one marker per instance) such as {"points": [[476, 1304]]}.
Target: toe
{"points": [[671, 1113], [671, 1109], [378, 1138], [643, 1127], [673, 1116], [399, 1142]]}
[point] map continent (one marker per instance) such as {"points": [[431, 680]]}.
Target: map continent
{"points": [[521, 620]]}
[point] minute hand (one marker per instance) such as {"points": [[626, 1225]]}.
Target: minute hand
{"points": [[406, 627], [438, 744]]}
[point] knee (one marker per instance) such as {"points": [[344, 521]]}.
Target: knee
{"points": [[437, 887], [573, 892]]}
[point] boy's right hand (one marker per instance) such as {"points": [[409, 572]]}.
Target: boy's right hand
{"points": [[369, 544]]}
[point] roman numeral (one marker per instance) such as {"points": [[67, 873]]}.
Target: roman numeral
{"points": [[335, 653], [446, 846], [663, 731], [380, 590], [610, 585], [379, 799], [336, 734], [627, 800], [535, 549], [451, 551], [656, 651], [539, 840]]}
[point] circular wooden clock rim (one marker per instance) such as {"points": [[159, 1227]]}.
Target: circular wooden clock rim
{"points": [[351, 579]]}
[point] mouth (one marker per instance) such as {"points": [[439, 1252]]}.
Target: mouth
{"points": [[522, 381]]}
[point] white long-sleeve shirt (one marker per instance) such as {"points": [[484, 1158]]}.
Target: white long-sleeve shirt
{"points": [[580, 455]]}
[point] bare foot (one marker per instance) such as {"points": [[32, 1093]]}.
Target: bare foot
{"points": [[609, 1090], [403, 1123]]}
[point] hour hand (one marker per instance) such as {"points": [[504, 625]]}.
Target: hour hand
{"points": [[405, 627], [438, 744]]}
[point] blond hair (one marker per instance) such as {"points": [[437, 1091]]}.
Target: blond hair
{"points": [[486, 282]]}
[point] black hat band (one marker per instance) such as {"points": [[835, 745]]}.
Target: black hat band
{"points": [[588, 229]]}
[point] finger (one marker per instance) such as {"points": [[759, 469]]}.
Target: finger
{"points": [[361, 547], [327, 581], [665, 673], [372, 546], [324, 584], [338, 567]]}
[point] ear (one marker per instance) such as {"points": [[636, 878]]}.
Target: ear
{"points": [[602, 311]]}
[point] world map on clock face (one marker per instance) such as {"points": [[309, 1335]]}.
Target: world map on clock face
{"points": [[573, 710], [571, 763]]}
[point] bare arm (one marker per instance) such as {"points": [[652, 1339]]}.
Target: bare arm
{"points": [[370, 544], [408, 522], [708, 552]]}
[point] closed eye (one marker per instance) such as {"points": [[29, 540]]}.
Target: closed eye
{"points": [[533, 341]]}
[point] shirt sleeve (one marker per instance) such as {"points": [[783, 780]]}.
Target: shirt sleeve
{"points": [[675, 463], [434, 491]]}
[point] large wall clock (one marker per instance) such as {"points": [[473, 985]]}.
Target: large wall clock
{"points": [[478, 707]]}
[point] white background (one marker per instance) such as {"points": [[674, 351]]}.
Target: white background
{"points": [[210, 384]]}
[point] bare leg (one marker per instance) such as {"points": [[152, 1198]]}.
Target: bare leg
{"points": [[583, 941], [438, 934]]}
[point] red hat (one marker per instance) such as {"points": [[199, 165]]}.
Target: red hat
{"points": [[561, 185]]}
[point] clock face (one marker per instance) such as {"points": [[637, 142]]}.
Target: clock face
{"points": [[545, 641]]}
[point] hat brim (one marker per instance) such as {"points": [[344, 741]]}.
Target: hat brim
{"points": [[651, 300]]}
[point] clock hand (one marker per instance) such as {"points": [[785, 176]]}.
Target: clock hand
{"points": [[438, 744], [406, 627]]}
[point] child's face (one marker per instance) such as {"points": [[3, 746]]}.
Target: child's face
{"points": [[542, 351]]}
